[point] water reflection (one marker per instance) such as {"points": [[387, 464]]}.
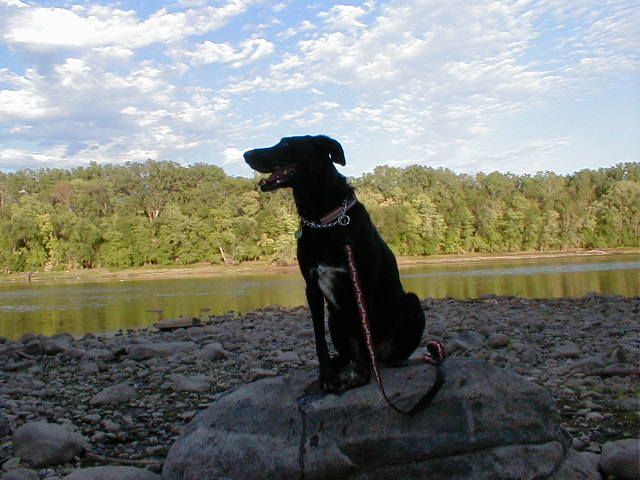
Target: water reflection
{"points": [[106, 306]]}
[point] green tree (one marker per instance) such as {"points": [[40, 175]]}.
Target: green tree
{"points": [[24, 233], [161, 212], [618, 215]]}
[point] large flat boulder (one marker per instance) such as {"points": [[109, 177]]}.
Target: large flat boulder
{"points": [[486, 422]]}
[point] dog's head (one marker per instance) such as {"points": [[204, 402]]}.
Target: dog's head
{"points": [[295, 157]]}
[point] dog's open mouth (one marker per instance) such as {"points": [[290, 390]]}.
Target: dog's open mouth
{"points": [[279, 178]]}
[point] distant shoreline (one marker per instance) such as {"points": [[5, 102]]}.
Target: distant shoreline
{"points": [[264, 267]]}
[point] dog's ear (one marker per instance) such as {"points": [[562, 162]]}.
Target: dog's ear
{"points": [[333, 149]]}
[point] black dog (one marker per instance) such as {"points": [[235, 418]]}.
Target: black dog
{"points": [[323, 198]]}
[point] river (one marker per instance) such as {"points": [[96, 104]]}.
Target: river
{"points": [[100, 306]]}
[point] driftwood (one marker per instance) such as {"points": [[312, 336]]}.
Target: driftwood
{"points": [[23, 355], [17, 350], [224, 257], [121, 461], [227, 260], [618, 371], [615, 371], [175, 323]]}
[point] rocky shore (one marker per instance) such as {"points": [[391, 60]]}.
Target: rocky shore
{"points": [[126, 396]]}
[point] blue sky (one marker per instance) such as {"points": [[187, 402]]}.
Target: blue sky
{"points": [[520, 85]]}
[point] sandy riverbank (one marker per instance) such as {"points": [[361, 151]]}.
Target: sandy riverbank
{"points": [[264, 267]]}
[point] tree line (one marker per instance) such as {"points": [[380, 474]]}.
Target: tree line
{"points": [[164, 213]]}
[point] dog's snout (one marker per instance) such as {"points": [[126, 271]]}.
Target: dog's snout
{"points": [[256, 159], [250, 157]]}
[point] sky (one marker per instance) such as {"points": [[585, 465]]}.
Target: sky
{"points": [[517, 86]]}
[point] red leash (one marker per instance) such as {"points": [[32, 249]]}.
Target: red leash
{"points": [[435, 355]]}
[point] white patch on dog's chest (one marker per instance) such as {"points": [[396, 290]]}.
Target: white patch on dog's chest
{"points": [[327, 275]]}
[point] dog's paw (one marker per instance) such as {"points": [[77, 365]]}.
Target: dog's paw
{"points": [[352, 377], [339, 380], [330, 384], [329, 380]]}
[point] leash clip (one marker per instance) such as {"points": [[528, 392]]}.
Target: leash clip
{"points": [[344, 220]]}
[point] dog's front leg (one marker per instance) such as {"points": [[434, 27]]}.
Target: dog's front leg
{"points": [[329, 381]]}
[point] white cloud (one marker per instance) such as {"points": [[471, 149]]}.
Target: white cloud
{"points": [[83, 27], [115, 52], [210, 52], [305, 26], [192, 3], [21, 104], [519, 157], [426, 71], [233, 155], [344, 16], [13, 159], [413, 80], [13, 3], [22, 101]]}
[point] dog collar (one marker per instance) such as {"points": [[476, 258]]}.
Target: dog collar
{"points": [[337, 216]]}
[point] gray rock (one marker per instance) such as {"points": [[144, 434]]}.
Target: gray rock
{"points": [[620, 355], [466, 340], [304, 333], [567, 350], [211, 352], [34, 347], [594, 417], [89, 368], [92, 419], [592, 458], [11, 464], [113, 395], [112, 473], [628, 404], [484, 423], [111, 426], [195, 383], [140, 352], [577, 466], [98, 354], [260, 373], [173, 347], [63, 337], [73, 352], [621, 458], [498, 340], [527, 352], [195, 332], [42, 444], [54, 347], [21, 474], [286, 357], [587, 364], [5, 426], [27, 337]]}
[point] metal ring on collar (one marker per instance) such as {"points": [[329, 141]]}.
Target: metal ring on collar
{"points": [[344, 220]]}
